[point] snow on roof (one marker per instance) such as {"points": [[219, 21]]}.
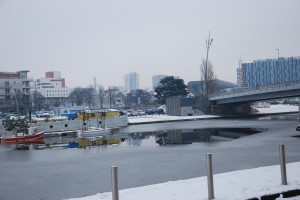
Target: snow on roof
{"points": [[112, 110]]}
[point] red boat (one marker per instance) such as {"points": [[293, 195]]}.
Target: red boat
{"points": [[24, 139]]}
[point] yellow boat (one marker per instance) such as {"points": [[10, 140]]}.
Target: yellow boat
{"points": [[86, 142], [94, 115]]}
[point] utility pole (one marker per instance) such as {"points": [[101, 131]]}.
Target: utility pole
{"points": [[95, 94], [109, 97], [277, 71], [205, 85]]}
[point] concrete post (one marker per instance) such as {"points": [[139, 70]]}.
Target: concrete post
{"points": [[114, 183], [210, 182], [282, 164]]}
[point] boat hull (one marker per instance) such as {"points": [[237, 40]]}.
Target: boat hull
{"points": [[24, 139], [94, 133], [71, 125]]}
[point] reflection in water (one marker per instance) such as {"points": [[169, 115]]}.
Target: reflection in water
{"points": [[279, 117], [188, 136], [168, 137]]}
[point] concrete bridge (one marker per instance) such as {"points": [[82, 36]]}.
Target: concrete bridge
{"points": [[240, 101]]}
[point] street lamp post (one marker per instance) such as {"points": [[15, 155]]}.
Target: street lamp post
{"points": [[277, 71], [208, 44]]}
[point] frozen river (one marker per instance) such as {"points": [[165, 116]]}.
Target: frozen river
{"points": [[64, 173]]}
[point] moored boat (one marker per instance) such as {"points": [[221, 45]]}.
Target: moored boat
{"points": [[93, 132], [24, 139], [71, 125], [97, 141]]}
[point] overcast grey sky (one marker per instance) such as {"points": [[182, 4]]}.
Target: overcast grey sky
{"points": [[109, 38]]}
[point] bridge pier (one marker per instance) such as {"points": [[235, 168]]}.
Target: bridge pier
{"points": [[237, 108]]}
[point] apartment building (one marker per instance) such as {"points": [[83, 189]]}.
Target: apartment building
{"points": [[14, 84], [52, 85], [269, 72], [14, 91], [131, 82]]}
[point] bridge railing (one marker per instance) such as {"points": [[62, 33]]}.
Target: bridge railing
{"points": [[257, 89]]}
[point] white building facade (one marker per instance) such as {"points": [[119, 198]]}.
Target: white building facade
{"points": [[53, 85]]}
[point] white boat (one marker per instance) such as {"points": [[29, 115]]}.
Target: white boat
{"points": [[93, 132], [71, 125]]}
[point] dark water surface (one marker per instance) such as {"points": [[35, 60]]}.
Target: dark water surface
{"points": [[150, 138], [146, 154]]}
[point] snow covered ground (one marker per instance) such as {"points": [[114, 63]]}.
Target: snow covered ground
{"points": [[273, 109], [160, 118], [278, 109], [237, 185]]}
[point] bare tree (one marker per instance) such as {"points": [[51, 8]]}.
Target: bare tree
{"points": [[101, 97], [38, 101], [56, 101], [22, 101], [76, 96], [211, 77], [82, 96], [88, 94]]}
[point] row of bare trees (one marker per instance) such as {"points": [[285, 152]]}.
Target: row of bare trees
{"points": [[111, 98]]}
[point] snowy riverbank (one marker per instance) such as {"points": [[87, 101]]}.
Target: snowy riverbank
{"points": [[237, 185], [273, 109]]}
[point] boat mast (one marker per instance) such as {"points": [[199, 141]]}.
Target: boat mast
{"points": [[95, 93], [95, 102]]}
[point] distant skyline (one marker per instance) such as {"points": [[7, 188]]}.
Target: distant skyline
{"points": [[108, 39], [131, 82]]}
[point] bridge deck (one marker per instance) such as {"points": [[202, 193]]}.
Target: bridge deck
{"points": [[257, 94]]}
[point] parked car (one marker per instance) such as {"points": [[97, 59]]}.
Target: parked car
{"points": [[132, 113], [141, 112], [298, 127], [150, 112], [123, 112], [159, 111]]}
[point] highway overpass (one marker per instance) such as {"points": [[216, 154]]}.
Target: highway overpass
{"points": [[239, 101]]}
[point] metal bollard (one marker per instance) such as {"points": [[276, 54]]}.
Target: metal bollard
{"points": [[210, 181], [282, 164], [114, 183]]}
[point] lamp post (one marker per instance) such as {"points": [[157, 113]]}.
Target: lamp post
{"points": [[208, 44], [277, 71]]}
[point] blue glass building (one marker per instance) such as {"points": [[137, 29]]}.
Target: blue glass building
{"points": [[269, 72]]}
